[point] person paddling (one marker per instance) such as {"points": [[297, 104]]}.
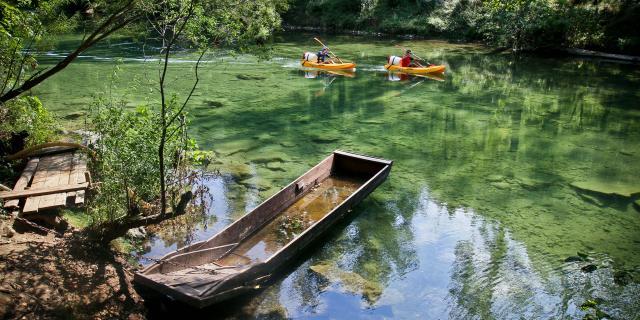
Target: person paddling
{"points": [[407, 59], [323, 54]]}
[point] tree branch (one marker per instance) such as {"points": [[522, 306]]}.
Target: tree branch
{"points": [[100, 33], [193, 88]]}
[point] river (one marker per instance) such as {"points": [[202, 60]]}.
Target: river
{"points": [[499, 178]]}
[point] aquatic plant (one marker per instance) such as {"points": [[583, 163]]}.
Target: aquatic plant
{"points": [[291, 225]]}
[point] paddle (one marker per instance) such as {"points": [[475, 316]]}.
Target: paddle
{"points": [[415, 55], [322, 44]]}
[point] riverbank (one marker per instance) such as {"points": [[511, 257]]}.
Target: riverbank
{"points": [[49, 277], [545, 51]]}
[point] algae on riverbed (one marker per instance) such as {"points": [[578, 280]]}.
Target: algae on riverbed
{"points": [[478, 214]]}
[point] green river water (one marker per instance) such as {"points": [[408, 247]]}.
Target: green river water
{"points": [[501, 172]]}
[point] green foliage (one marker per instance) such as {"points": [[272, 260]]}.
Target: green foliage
{"points": [[77, 218], [592, 307], [517, 24], [128, 159], [26, 114]]}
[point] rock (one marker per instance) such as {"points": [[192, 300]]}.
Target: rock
{"points": [[622, 278], [8, 232], [213, 103], [573, 259], [607, 188], [351, 281], [88, 137], [135, 316], [501, 185], [371, 121], [267, 159], [250, 77], [137, 233], [5, 305], [592, 199], [494, 178], [324, 140], [636, 204], [589, 268], [583, 256], [73, 116]]}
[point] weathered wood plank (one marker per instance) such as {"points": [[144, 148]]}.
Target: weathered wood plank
{"points": [[43, 191], [40, 176], [80, 167], [23, 181], [65, 179], [58, 175]]}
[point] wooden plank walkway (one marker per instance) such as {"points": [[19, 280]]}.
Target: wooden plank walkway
{"points": [[48, 182]]}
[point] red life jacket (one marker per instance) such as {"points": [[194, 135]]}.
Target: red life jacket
{"points": [[405, 62]]}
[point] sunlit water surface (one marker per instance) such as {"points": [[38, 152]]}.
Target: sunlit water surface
{"points": [[500, 173]]}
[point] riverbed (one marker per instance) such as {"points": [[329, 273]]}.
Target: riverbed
{"points": [[511, 195]]}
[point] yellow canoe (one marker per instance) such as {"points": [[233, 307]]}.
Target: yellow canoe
{"points": [[328, 66], [431, 69]]}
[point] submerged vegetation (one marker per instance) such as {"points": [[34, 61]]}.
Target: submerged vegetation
{"points": [[503, 171]]}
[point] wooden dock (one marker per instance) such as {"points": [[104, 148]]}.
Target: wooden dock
{"points": [[48, 182]]}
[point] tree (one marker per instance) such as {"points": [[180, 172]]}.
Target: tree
{"points": [[184, 23], [194, 24]]}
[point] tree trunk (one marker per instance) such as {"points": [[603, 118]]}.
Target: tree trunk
{"points": [[105, 232]]}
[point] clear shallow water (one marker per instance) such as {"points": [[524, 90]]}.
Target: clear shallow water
{"points": [[484, 203]]}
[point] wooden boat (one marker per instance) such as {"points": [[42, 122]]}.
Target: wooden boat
{"points": [[328, 66], [416, 70], [247, 253]]}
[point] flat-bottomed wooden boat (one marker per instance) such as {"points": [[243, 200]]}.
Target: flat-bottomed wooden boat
{"points": [[248, 252]]}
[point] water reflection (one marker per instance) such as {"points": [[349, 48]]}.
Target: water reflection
{"points": [[501, 174], [401, 76]]}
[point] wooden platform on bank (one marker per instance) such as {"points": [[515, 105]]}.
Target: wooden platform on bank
{"points": [[48, 182]]}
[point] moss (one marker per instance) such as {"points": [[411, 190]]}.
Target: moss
{"points": [[77, 218], [608, 188]]}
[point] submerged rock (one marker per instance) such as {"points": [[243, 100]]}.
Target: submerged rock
{"points": [[250, 77], [636, 204], [137, 233], [579, 257], [589, 268], [495, 178], [213, 103], [351, 281], [370, 121], [573, 259], [501, 185], [325, 140], [73, 116], [622, 278], [607, 188]]}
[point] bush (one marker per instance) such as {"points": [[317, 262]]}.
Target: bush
{"points": [[26, 116], [128, 163]]}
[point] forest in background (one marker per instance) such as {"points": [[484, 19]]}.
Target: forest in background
{"points": [[603, 25]]}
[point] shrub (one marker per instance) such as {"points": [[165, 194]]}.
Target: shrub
{"points": [[26, 115], [128, 163]]}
